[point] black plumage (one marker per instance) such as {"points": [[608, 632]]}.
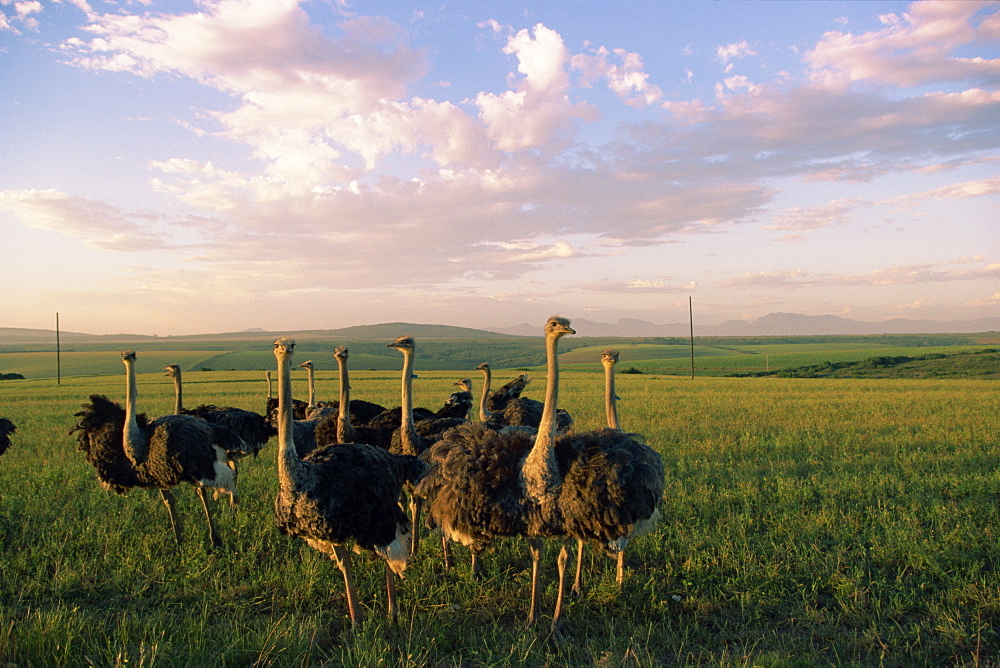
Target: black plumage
{"points": [[6, 429], [253, 429], [342, 493], [342, 429], [613, 482], [357, 500], [486, 483], [507, 408], [174, 455]]}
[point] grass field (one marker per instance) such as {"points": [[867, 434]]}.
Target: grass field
{"points": [[805, 522]]}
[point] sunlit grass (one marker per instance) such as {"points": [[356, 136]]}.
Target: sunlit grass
{"points": [[806, 522]]}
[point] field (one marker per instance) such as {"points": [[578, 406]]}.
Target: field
{"points": [[805, 522]]}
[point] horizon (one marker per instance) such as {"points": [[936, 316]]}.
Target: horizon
{"points": [[904, 327], [179, 167]]}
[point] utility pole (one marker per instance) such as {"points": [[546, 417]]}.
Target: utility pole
{"points": [[58, 354], [691, 320]]}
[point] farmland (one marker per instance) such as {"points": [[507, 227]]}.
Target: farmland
{"points": [[460, 350], [806, 521]]}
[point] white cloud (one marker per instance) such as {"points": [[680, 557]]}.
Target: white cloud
{"points": [[625, 77], [97, 224], [729, 52], [538, 112]]}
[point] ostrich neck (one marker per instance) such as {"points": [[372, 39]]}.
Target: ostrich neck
{"points": [[312, 386], [484, 413], [610, 398], [133, 440], [178, 393], [267, 377], [407, 428], [344, 410], [288, 458], [540, 471]]}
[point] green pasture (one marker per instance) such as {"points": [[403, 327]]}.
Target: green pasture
{"points": [[462, 356], [805, 522]]}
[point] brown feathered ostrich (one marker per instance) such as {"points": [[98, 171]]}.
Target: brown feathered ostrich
{"points": [[342, 493], [507, 408], [459, 403], [343, 429], [406, 439], [486, 484], [271, 406], [252, 428], [6, 429], [613, 483], [127, 450], [316, 409]]}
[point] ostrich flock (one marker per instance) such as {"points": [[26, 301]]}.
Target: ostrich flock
{"points": [[352, 473]]}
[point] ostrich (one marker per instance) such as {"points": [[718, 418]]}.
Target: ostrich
{"points": [[6, 429], [316, 409], [252, 428], [406, 439], [271, 407], [613, 483], [459, 403], [485, 484], [506, 406], [342, 430], [127, 450], [342, 493]]}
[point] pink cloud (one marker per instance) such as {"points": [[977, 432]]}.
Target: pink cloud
{"points": [[914, 49]]}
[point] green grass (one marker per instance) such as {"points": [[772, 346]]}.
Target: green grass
{"points": [[807, 522]]}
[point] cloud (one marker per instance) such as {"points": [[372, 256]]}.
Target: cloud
{"points": [[900, 275], [952, 191], [349, 167], [992, 300], [636, 286], [98, 224], [729, 52], [625, 77], [799, 219], [914, 49], [538, 112]]}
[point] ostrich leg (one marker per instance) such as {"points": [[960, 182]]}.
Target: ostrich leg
{"points": [[212, 533], [342, 556], [175, 520]]}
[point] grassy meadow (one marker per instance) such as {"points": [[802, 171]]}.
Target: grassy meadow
{"points": [[805, 522]]}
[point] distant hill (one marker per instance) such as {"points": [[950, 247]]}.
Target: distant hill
{"points": [[774, 324], [984, 364], [14, 336]]}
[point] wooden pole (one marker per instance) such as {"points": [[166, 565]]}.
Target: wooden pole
{"points": [[691, 320], [58, 354]]}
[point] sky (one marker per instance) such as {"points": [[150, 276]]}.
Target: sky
{"points": [[217, 165]]}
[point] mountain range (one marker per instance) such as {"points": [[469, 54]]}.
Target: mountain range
{"points": [[774, 324]]}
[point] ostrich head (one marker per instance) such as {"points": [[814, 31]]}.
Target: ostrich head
{"points": [[128, 356], [609, 356], [483, 367], [340, 352], [284, 347], [172, 370], [557, 326], [403, 344], [465, 385], [308, 364]]}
